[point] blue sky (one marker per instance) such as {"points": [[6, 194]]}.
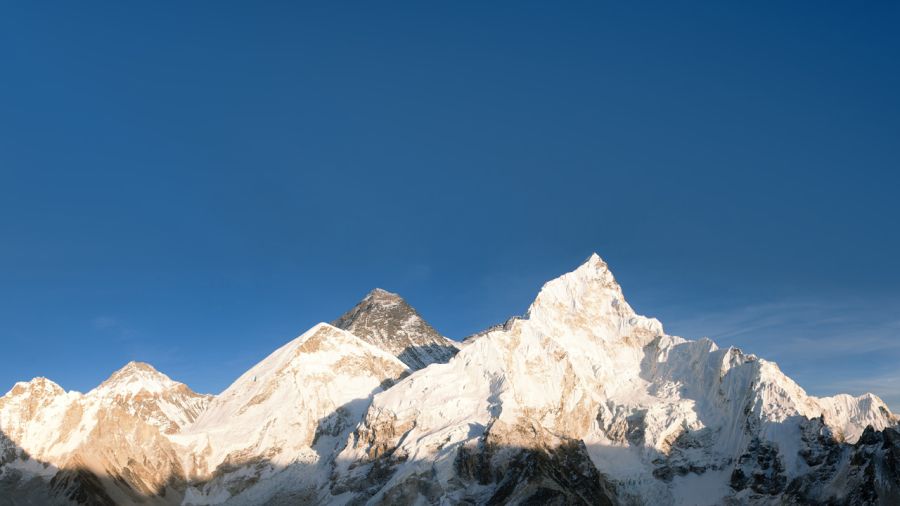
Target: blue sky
{"points": [[192, 184]]}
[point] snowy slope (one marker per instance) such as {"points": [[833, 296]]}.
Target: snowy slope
{"points": [[660, 417], [286, 410], [581, 401]]}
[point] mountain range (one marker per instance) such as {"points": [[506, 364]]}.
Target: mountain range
{"points": [[579, 401]]}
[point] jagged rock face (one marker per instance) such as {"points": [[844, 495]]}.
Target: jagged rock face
{"points": [[866, 472], [385, 320], [528, 465], [582, 401]]}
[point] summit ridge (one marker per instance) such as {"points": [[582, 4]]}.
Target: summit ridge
{"points": [[386, 320], [581, 401]]}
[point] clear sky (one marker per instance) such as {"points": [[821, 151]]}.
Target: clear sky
{"points": [[192, 184]]}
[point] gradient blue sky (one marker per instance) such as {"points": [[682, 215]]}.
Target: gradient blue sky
{"points": [[192, 184]]}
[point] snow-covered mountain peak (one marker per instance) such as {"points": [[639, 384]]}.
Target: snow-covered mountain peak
{"points": [[849, 415], [595, 268], [667, 420], [135, 377], [39, 386], [589, 298], [135, 368], [591, 282], [27, 400], [594, 262], [385, 320], [142, 391], [582, 401]]}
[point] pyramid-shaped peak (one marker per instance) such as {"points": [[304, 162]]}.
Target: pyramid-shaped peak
{"points": [[384, 319], [134, 368], [383, 297], [594, 261], [587, 295], [593, 274], [136, 376], [594, 265]]}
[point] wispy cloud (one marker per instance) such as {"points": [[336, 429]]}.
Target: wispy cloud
{"points": [[814, 327], [104, 322], [112, 326], [419, 272]]}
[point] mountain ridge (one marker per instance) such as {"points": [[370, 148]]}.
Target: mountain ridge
{"points": [[579, 401]]}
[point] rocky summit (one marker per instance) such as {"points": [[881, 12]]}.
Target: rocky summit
{"points": [[385, 320], [579, 401]]}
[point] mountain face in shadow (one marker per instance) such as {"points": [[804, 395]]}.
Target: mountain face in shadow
{"points": [[491, 474], [581, 401]]}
